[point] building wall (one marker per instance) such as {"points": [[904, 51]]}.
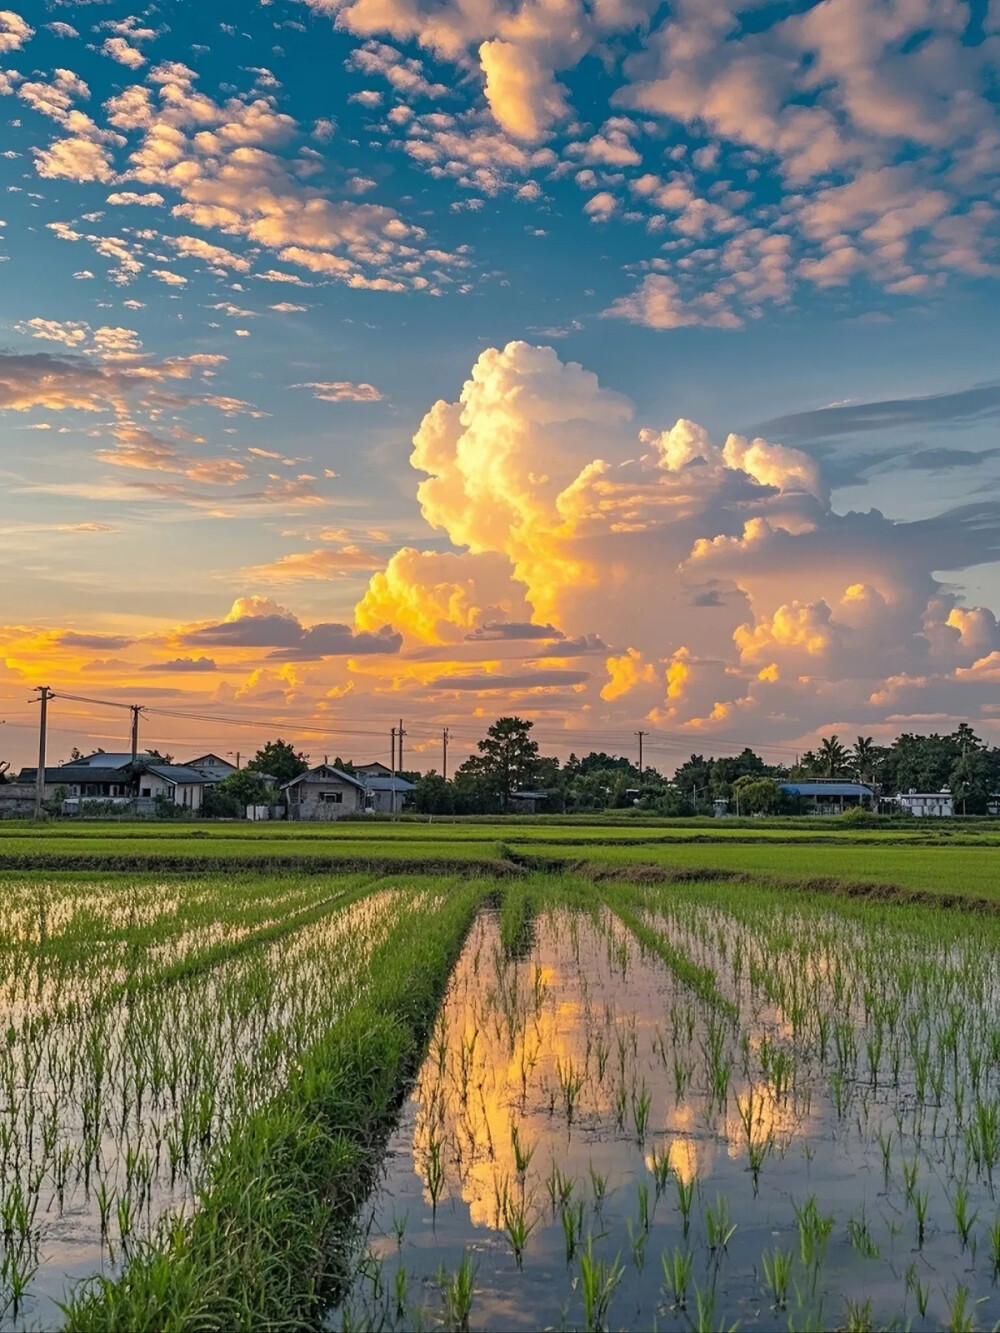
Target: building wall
{"points": [[324, 799], [932, 804]]}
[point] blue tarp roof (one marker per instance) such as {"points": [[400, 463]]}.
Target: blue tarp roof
{"points": [[826, 789]]}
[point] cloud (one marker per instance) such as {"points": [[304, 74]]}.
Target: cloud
{"points": [[183, 664], [14, 31], [494, 630], [978, 403], [68, 638], [321, 563], [658, 303], [261, 623], [342, 391], [555, 503], [527, 680]]}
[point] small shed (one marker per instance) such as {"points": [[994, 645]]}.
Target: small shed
{"points": [[324, 793], [526, 802], [388, 795]]}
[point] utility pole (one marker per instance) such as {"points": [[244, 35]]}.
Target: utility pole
{"points": [[640, 734], [136, 710], [445, 738], [392, 795], [399, 754], [237, 755], [44, 695]]}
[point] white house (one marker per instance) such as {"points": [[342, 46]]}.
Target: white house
{"points": [[939, 804], [108, 778], [174, 782]]}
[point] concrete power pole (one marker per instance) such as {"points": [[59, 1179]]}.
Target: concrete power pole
{"points": [[445, 738], [640, 734], [392, 794], [44, 695], [399, 734], [136, 710]]}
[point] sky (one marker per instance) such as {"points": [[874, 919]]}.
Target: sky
{"points": [[627, 367]]}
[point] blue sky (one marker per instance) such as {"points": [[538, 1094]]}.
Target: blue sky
{"points": [[247, 249]]}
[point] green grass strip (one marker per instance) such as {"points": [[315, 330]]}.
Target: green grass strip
{"points": [[260, 1250], [701, 980]]}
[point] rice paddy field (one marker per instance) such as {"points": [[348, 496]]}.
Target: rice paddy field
{"points": [[499, 1076]]}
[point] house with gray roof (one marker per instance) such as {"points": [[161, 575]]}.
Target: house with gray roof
{"points": [[324, 793]]}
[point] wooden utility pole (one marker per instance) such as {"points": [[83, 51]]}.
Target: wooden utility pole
{"points": [[393, 760], [640, 734], [400, 733], [44, 695], [445, 738]]}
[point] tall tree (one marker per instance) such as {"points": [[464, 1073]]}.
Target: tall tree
{"points": [[279, 760], [832, 756], [866, 757], [507, 760]]}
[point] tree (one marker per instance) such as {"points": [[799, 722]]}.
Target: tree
{"points": [[507, 761], [433, 795], [757, 795], [832, 756], [970, 781], [242, 788], [279, 760]]}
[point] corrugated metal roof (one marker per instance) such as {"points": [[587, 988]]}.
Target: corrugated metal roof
{"points": [[177, 773], [826, 789], [388, 784]]}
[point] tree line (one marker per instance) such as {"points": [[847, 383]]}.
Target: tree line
{"points": [[508, 761]]}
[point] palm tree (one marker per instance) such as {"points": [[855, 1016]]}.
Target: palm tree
{"points": [[832, 756], [865, 756]]}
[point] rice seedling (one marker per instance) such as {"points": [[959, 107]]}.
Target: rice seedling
{"points": [[458, 1290], [777, 1274], [677, 1275], [598, 1280]]}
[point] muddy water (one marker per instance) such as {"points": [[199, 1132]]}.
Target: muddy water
{"points": [[572, 1096]]}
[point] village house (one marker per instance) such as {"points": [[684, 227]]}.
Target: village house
{"points": [[104, 778], [212, 767], [830, 796], [324, 793]]}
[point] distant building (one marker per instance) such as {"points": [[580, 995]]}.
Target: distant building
{"points": [[375, 770], [324, 793], [928, 804], [526, 802], [830, 796], [381, 790], [108, 778], [214, 768]]}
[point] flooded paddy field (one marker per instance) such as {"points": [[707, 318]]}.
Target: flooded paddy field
{"points": [[142, 1022], [702, 1107], [541, 1099]]}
